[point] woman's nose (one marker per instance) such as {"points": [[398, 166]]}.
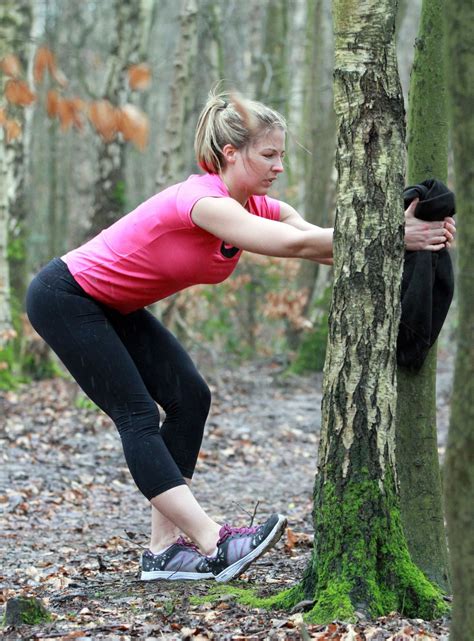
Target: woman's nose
{"points": [[278, 166]]}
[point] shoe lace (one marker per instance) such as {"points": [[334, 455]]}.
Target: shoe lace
{"points": [[227, 530], [182, 541]]}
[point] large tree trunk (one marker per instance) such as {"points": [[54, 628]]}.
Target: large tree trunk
{"points": [[15, 23], [417, 451], [109, 195], [360, 558], [460, 451]]}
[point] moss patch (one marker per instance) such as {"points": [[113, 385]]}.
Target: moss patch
{"points": [[360, 560], [247, 596], [25, 610]]}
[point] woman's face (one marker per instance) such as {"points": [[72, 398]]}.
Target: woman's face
{"points": [[252, 170]]}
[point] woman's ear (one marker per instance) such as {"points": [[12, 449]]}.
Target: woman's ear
{"points": [[229, 152]]}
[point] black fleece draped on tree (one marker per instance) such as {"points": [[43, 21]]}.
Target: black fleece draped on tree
{"points": [[428, 281]]}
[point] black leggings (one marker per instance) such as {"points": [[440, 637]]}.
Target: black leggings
{"points": [[126, 364]]}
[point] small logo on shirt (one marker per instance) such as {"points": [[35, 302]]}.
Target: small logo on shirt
{"points": [[228, 250]]}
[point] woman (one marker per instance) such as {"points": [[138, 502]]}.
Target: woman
{"points": [[89, 307]]}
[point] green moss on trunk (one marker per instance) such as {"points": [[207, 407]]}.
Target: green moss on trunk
{"points": [[360, 560]]}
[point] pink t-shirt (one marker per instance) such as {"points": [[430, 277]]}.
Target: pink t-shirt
{"points": [[157, 249]]}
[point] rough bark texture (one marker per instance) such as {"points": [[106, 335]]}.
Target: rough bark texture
{"points": [[15, 18], [417, 452], [459, 477], [109, 193], [171, 164], [360, 558]]}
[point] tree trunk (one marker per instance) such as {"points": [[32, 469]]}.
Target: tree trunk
{"points": [[417, 451], [15, 21], [360, 558], [109, 194], [319, 136], [459, 473], [171, 163]]}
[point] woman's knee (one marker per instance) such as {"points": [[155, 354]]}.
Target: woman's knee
{"points": [[190, 397]]}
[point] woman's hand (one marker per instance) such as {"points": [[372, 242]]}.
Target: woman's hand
{"points": [[427, 235]]}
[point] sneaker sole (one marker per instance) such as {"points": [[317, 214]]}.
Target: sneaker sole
{"points": [[175, 576], [238, 567]]}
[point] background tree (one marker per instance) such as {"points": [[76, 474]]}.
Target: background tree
{"points": [[460, 451], [360, 557], [109, 194], [171, 166], [15, 25], [417, 451]]}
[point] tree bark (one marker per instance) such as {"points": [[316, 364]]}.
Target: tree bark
{"points": [[15, 21], [319, 135], [459, 475], [171, 162], [109, 192], [360, 558], [417, 451]]}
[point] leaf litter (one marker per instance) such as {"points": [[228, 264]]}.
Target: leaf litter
{"points": [[74, 525]]}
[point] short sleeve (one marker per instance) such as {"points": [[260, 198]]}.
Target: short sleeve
{"points": [[265, 207], [195, 188]]}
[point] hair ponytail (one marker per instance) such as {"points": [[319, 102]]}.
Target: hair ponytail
{"points": [[227, 118]]}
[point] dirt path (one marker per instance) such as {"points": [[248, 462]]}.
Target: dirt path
{"points": [[73, 524]]}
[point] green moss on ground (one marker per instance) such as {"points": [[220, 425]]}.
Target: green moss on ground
{"points": [[25, 610], [247, 596]]}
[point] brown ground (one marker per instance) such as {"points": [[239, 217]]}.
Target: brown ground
{"points": [[73, 523]]}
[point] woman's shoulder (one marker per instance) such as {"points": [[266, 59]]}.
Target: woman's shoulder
{"points": [[211, 182]]}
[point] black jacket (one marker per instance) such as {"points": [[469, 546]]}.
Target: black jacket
{"points": [[428, 281]]}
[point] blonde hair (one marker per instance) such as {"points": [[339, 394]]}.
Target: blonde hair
{"points": [[227, 118]]}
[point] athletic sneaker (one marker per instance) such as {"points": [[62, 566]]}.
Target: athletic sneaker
{"points": [[238, 547], [182, 560]]}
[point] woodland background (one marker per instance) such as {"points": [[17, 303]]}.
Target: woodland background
{"points": [[72, 179], [99, 108]]}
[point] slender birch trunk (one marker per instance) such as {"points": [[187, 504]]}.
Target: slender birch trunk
{"points": [[171, 162], [360, 558], [109, 194], [15, 22]]}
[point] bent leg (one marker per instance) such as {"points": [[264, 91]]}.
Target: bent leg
{"points": [[78, 330], [172, 380]]}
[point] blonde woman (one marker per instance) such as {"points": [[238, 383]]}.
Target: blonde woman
{"points": [[89, 306]]}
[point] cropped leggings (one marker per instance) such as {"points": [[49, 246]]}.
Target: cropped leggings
{"points": [[127, 364]]}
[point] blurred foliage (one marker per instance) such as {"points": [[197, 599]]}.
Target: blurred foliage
{"points": [[247, 315], [312, 352]]}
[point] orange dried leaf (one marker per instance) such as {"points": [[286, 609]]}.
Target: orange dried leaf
{"points": [[18, 93], [44, 59], [103, 116], [139, 76], [133, 125], [3, 116], [52, 100], [12, 129], [11, 65], [68, 112], [291, 539]]}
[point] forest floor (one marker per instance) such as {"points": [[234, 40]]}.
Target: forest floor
{"points": [[73, 524]]}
